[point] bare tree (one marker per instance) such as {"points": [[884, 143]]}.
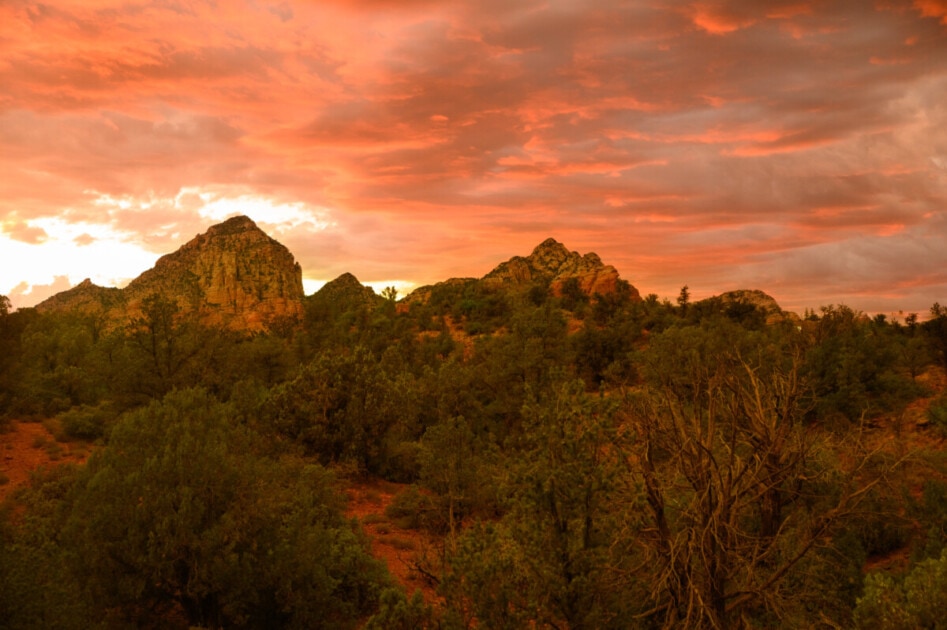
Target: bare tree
{"points": [[737, 490]]}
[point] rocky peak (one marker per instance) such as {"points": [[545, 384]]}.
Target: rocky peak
{"points": [[233, 274], [551, 261], [85, 297]]}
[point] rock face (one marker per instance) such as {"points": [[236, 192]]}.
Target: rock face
{"points": [[233, 275], [85, 297], [552, 262]]}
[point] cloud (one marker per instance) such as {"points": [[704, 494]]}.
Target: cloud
{"points": [[704, 143]]}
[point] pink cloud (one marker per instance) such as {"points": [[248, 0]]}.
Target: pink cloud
{"points": [[695, 145]]}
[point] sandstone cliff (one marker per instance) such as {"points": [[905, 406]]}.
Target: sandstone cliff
{"points": [[85, 297], [233, 275], [551, 262]]}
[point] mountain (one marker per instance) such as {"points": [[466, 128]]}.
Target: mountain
{"points": [[85, 296], [745, 300], [233, 275], [551, 263], [346, 291]]}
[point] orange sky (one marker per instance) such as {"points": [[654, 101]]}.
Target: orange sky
{"points": [[799, 147]]}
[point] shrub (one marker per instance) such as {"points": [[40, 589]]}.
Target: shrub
{"points": [[937, 414], [85, 422], [412, 509]]}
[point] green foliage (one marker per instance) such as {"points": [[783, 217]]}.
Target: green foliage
{"points": [[342, 407], [546, 560], [937, 414], [86, 422], [452, 466], [36, 588], [852, 366], [178, 513], [396, 612], [917, 601]]}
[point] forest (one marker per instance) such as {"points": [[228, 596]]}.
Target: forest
{"points": [[581, 462]]}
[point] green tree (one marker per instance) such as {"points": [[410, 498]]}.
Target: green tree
{"points": [[917, 601], [547, 561], [342, 406], [178, 512]]}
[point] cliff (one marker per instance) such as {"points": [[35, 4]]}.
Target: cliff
{"points": [[233, 275], [552, 262]]}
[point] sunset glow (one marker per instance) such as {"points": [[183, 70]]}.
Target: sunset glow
{"points": [[793, 146]]}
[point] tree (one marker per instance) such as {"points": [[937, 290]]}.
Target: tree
{"points": [[178, 512], [917, 601], [341, 407], [545, 563], [684, 299], [730, 473], [936, 330], [390, 294]]}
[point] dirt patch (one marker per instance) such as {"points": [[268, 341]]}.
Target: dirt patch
{"points": [[402, 550], [28, 446]]}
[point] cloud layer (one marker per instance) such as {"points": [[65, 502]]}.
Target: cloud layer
{"points": [[799, 147]]}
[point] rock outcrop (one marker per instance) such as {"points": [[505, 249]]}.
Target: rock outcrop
{"points": [[552, 262], [233, 275], [85, 297]]}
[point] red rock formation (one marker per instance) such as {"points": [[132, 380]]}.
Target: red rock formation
{"points": [[233, 275], [552, 262]]}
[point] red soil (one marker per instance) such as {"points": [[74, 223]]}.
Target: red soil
{"points": [[402, 550], [27, 446]]}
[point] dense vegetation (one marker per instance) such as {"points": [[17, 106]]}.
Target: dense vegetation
{"points": [[585, 461]]}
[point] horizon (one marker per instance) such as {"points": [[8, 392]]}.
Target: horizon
{"points": [[796, 147], [312, 287]]}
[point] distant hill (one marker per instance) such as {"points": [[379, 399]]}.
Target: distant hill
{"points": [[235, 275], [550, 264], [232, 275]]}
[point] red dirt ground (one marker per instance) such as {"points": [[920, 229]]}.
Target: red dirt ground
{"points": [[28, 446], [400, 549]]}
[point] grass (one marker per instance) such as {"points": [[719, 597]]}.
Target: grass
{"points": [[54, 450]]}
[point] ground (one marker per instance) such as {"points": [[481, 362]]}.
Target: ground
{"points": [[27, 446], [402, 550]]}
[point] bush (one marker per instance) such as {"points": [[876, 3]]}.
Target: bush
{"points": [[937, 414], [411, 509], [85, 422], [179, 514]]}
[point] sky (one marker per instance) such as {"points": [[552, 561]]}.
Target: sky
{"points": [[793, 146]]}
